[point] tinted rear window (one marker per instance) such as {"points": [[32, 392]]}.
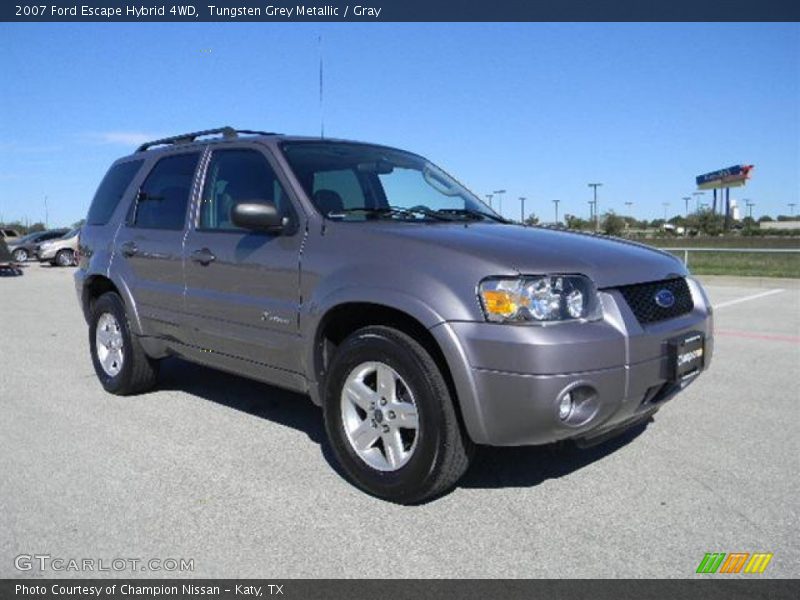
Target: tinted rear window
{"points": [[110, 192]]}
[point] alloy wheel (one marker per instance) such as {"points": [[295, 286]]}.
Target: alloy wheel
{"points": [[379, 416], [109, 344]]}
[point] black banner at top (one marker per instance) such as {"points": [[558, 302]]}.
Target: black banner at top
{"points": [[278, 11]]}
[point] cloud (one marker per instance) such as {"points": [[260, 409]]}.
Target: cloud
{"points": [[124, 138]]}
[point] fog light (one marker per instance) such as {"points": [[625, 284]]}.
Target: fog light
{"points": [[565, 407]]}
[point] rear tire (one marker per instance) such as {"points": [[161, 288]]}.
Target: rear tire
{"points": [[20, 255], [64, 258], [401, 463], [119, 360]]}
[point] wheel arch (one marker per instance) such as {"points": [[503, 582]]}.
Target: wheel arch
{"points": [[96, 285], [342, 319]]}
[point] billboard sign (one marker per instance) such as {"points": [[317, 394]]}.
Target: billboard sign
{"points": [[724, 178]]}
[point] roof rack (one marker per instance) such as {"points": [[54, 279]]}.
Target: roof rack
{"points": [[187, 138]]}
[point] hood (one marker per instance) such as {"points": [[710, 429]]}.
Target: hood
{"points": [[609, 262]]}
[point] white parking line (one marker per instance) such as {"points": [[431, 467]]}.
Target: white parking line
{"points": [[748, 298]]}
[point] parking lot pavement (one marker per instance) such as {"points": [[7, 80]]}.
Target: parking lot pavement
{"points": [[236, 475]]}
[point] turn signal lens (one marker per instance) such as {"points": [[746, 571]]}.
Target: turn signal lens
{"points": [[499, 302]]}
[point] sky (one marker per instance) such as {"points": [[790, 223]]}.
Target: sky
{"points": [[537, 109]]}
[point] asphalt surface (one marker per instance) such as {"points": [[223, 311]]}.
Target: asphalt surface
{"points": [[236, 475]]}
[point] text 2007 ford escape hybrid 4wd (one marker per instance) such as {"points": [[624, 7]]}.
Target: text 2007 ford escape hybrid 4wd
{"points": [[367, 277]]}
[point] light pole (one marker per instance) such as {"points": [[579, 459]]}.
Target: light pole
{"points": [[489, 198], [686, 201], [522, 209], [500, 200], [591, 211], [628, 207], [556, 204], [697, 198], [594, 187], [791, 208], [666, 206], [749, 206]]}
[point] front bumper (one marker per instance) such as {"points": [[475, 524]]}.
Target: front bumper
{"points": [[515, 376], [45, 254]]}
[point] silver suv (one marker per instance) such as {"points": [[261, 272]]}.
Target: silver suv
{"points": [[59, 252], [365, 276]]}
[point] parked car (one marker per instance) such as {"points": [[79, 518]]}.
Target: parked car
{"points": [[25, 247], [7, 264], [420, 320], [9, 235], [59, 252]]}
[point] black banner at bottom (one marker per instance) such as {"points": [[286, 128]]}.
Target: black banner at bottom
{"points": [[707, 588]]}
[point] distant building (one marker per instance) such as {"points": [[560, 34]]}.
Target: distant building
{"points": [[736, 211]]}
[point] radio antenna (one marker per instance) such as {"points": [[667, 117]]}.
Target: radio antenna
{"points": [[321, 97]]}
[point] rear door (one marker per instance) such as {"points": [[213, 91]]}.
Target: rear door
{"points": [[149, 246], [242, 287]]}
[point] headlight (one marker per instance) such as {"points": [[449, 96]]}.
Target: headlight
{"points": [[45, 245], [543, 298]]}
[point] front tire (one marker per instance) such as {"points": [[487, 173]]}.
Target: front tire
{"points": [[119, 360], [390, 418]]}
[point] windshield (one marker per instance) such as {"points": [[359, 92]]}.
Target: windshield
{"points": [[358, 182]]}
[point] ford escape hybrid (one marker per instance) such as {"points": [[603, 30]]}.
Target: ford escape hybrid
{"points": [[370, 279]]}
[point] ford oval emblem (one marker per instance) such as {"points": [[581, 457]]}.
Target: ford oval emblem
{"points": [[664, 298]]}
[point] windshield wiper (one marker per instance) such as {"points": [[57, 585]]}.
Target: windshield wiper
{"points": [[389, 211], [473, 214]]}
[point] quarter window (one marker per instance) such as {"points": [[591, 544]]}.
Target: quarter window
{"points": [[164, 196], [110, 192]]}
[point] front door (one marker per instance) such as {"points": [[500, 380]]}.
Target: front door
{"points": [[242, 287]]}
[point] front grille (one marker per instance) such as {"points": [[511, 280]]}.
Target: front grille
{"points": [[641, 297]]}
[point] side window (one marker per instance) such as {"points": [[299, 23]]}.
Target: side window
{"points": [[236, 176], [335, 190], [164, 196], [110, 192]]}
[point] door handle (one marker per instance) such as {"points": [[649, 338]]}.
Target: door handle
{"points": [[128, 249], [204, 256]]}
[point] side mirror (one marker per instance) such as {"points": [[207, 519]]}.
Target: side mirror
{"points": [[258, 215]]}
